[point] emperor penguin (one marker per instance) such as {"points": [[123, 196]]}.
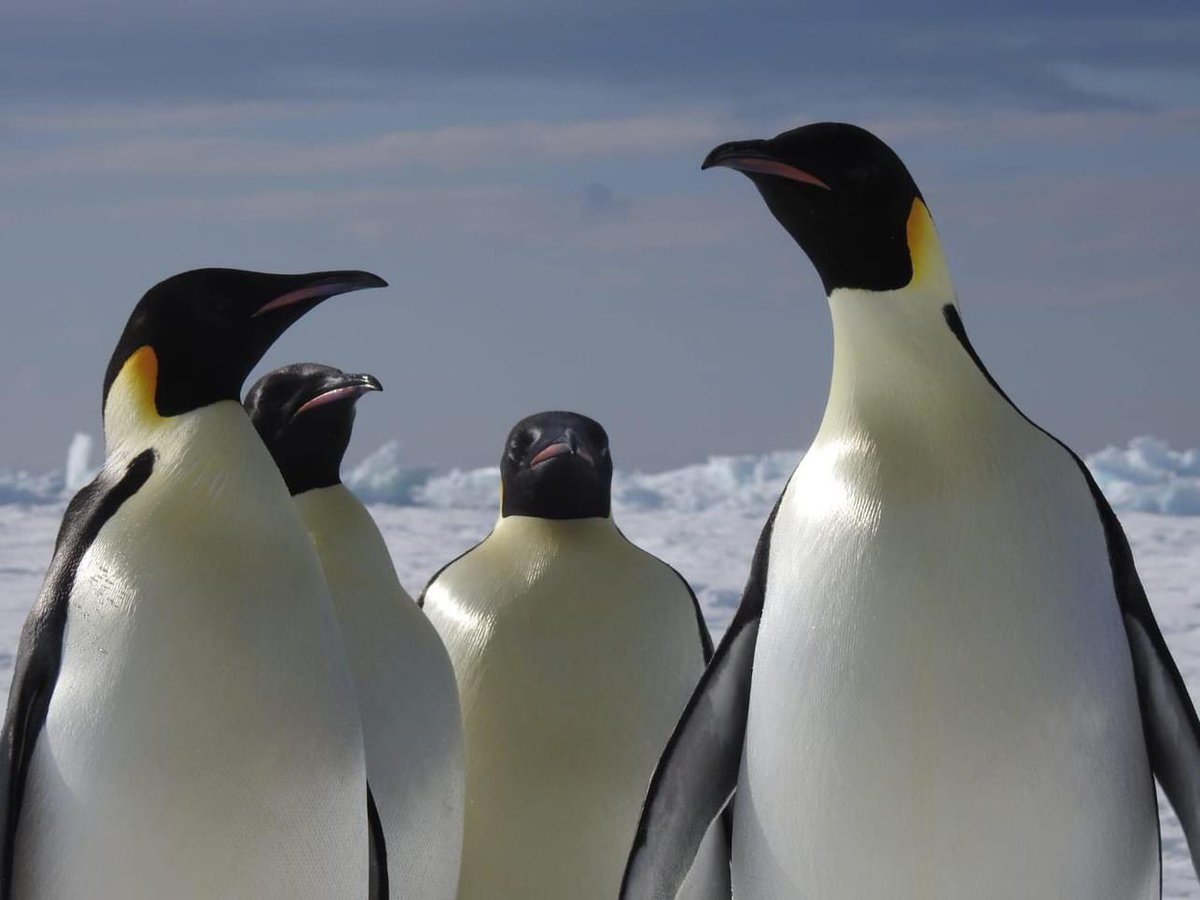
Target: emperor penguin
{"points": [[182, 720], [575, 652], [944, 679], [407, 695]]}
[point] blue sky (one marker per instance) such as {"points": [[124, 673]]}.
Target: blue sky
{"points": [[526, 174]]}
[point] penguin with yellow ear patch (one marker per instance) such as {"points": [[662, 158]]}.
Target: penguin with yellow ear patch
{"points": [[182, 720], [574, 652], [407, 695], [944, 679]]}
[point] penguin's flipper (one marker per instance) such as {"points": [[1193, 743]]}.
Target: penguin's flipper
{"points": [[39, 652], [438, 574], [378, 865], [698, 772], [1168, 716]]}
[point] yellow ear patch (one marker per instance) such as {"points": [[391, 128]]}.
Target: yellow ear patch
{"points": [[138, 381], [924, 249], [921, 238]]}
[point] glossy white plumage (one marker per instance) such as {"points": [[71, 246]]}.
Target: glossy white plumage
{"points": [[575, 653], [407, 696], [203, 738], [942, 703]]}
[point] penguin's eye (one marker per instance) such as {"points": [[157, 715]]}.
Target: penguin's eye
{"points": [[520, 444], [218, 306]]}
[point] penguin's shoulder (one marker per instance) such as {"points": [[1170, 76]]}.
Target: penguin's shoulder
{"points": [[345, 533], [89, 510], [590, 556], [524, 558], [676, 588], [520, 560], [449, 573], [645, 565], [99, 501]]}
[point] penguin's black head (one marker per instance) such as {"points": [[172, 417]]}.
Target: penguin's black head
{"points": [[556, 465], [194, 338], [841, 193], [305, 415]]}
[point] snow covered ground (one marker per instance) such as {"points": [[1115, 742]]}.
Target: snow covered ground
{"points": [[711, 547]]}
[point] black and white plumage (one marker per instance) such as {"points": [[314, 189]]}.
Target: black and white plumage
{"points": [[575, 651], [182, 721], [407, 695], [944, 679]]}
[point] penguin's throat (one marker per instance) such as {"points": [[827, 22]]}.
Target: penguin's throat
{"points": [[898, 367], [557, 531], [205, 454], [889, 345]]}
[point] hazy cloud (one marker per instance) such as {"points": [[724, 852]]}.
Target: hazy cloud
{"points": [[494, 157], [1020, 52], [599, 203], [510, 216], [449, 148], [141, 117]]}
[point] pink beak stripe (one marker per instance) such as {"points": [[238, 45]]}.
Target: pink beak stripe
{"points": [[548, 453], [305, 293], [558, 449], [773, 167], [333, 396]]}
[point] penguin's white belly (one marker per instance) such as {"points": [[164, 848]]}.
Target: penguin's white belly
{"points": [[203, 739], [407, 695], [943, 703], [575, 653], [413, 733]]}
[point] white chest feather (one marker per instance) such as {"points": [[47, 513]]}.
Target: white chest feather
{"points": [[412, 727], [942, 702], [202, 739], [575, 653]]}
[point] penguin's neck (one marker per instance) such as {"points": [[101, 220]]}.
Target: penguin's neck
{"points": [[349, 544], [899, 370], [555, 533], [212, 448]]}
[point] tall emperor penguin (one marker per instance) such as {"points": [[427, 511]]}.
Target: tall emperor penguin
{"points": [[412, 727], [182, 720], [575, 652], [944, 679]]}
